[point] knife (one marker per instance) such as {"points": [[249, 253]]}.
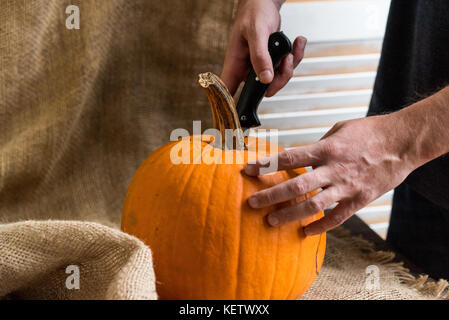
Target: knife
{"points": [[253, 91]]}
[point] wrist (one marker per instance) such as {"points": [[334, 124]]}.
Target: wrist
{"points": [[422, 130], [400, 139]]}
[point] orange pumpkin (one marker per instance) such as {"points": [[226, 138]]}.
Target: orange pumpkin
{"points": [[207, 243]]}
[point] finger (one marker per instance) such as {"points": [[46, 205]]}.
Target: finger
{"points": [[236, 64], [299, 46], [333, 219], [283, 74], [304, 209], [285, 71], [309, 155], [260, 57], [290, 189]]}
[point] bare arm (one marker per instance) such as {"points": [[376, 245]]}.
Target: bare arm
{"points": [[357, 161], [426, 125]]}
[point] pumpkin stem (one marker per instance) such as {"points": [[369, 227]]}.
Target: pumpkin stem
{"points": [[224, 112]]}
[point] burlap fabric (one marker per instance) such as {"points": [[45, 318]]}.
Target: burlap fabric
{"points": [[347, 274], [79, 111], [37, 260]]}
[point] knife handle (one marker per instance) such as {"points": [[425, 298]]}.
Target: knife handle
{"points": [[253, 91]]}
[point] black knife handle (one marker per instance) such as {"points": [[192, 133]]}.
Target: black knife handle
{"points": [[253, 91]]}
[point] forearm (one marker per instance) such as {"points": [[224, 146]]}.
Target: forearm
{"points": [[425, 127]]}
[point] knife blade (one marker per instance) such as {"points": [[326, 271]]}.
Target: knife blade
{"points": [[253, 91]]}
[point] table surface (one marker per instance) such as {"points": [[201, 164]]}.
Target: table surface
{"points": [[358, 227]]}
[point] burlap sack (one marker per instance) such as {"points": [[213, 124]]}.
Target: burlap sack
{"points": [[73, 260], [79, 111], [347, 274]]}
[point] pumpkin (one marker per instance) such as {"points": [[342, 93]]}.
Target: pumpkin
{"points": [[207, 243]]}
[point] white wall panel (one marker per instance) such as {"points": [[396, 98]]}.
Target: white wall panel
{"points": [[326, 21], [335, 79]]}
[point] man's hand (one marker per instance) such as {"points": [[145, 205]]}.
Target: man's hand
{"points": [[254, 22], [355, 162]]}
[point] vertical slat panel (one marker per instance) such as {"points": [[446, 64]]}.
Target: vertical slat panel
{"points": [[335, 79]]}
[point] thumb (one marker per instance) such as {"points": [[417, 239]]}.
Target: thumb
{"points": [[260, 57]]}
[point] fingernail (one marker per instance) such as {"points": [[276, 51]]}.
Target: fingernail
{"points": [[251, 170], [266, 76], [308, 232], [253, 202], [303, 42], [273, 220]]}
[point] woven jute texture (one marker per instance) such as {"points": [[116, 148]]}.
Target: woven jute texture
{"points": [[38, 261], [79, 111], [354, 270]]}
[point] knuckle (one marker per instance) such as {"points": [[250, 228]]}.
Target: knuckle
{"points": [[351, 187], [343, 172], [336, 219], [291, 214], [365, 197], [251, 26], [266, 198], [287, 74], [286, 159], [315, 205], [296, 187], [329, 149], [258, 25], [259, 54], [244, 28]]}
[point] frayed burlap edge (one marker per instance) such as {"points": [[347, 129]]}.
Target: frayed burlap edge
{"points": [[421, 283]]}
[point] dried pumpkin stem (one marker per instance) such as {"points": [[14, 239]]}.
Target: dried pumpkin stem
{"points": [[224, 112]]}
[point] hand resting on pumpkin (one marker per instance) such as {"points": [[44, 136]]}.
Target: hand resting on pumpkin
{"points": [[255, 21], [356, 162]]}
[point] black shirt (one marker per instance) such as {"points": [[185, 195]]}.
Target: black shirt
{"points": [[414, 65]]}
